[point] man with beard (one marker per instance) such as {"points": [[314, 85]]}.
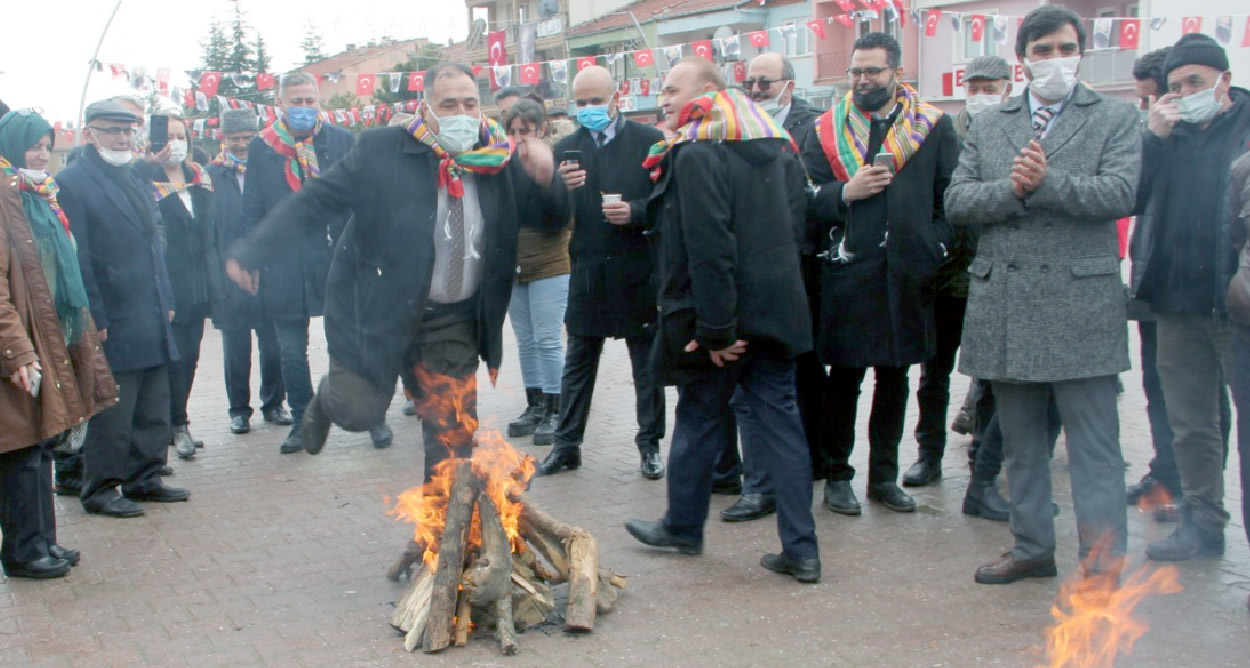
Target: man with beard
{"points": [[883, 160]]}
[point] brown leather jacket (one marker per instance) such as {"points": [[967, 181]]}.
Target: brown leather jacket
{"points": [[77, 382]]}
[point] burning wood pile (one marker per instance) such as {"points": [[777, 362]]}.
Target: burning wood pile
{"points": [[485, 556]]}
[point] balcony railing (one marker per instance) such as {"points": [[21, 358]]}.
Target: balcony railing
{"points": [[1108, 66], [831, 67]]}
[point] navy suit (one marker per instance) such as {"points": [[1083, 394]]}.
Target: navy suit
{"points": [[113, 214]]}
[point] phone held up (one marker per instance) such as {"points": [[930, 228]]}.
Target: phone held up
{"points": [[573, 159], [884, 159], [158, 132]]}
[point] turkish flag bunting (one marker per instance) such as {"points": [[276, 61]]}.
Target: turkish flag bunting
{"points": [[584, 62], [1245, 41], [477, 69], [1191, 24], [497, 52], [644, 87], [188, 99], [644, 58], [818, 28], [364, 84], [931, 19], [529, 73], [625, 87], [902, 13], [1130, 30], [759, 39], [702, 48], [264, 81], [740, 71], [847, 5], [846, 20], [416, 81], [978, 27], [209, 82]]}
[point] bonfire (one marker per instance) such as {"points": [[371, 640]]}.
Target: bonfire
{"points": [[483, 555]]}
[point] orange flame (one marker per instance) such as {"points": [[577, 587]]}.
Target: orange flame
{"points": [[1157, 497], [1093, 611], [451, 404]]}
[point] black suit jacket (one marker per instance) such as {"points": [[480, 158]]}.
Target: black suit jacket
{"points": [[380, 275]]}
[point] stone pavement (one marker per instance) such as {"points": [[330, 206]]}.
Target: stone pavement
{"points": [[278, 561]]}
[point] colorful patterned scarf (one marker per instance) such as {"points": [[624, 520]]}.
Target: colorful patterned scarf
{"points": [[490, 159], [164, 189], [301, 155], [727, 115], [844, 132], [224, 159], [45, 189]]}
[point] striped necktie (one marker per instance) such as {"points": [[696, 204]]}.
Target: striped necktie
{"points": [[1041, 121]]}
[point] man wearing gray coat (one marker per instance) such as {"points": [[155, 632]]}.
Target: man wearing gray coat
{"points": [[1047, 175]]}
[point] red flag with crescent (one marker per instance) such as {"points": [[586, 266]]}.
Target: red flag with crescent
{"points": [[264, 81], [702, 48], [416, 81], [740, 71], [529, 73], [644, 58], [497, 50], [818, 28], [759, 38], [931, 19], [584, 62], [209, 82], [1130, 31], [978, 27], [364, 84], [1191, 24]]}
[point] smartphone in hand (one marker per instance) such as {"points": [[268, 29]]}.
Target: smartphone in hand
{"points": [[573, 158], [36, 380], [884, 159], [158, 132]]}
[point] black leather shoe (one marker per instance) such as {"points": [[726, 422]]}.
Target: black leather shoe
{"points": [[239, 425], [891, 496], [1008, 570], [382, 436], [559, 459], [160, 494], [652, 467], [279, 416], [118, 506], [983, 500], [410, 408], [165, 471], [315, 428], [840, 498], [68, 485], [58, 552], [293, 443], [39, 569], [750, 507], [727, 486], [656, 535], [922, 473], [803, 570]]}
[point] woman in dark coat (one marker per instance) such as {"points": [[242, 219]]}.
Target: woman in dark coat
{"points": [[54, 373]]}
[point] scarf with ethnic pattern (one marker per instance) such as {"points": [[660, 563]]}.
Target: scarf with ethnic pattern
{"points": [[45, 189], [490, 159], [301, 155], [844, 132], [164, 189], [225, 159], [727, 115]]}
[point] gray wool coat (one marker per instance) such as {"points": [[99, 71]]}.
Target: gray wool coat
{"points": [[1046, 302]]}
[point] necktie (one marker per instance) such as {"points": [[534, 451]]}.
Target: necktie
{"points": [[1041, 121], [455, 261], [603, 139]]}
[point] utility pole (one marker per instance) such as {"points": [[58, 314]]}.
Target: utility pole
{"points": [[82, 101]]}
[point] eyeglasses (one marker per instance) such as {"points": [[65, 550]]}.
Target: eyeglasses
{"points": [[761, 83], [870, 72], [113, 132]]}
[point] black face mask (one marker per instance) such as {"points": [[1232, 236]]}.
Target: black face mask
{"points": [[873, 100]]}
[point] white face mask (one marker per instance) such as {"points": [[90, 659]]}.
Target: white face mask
{"points": [[1200, 107], [177, 152], [116, 158], [1054, 78], [457, 133], [773, 105], [35, 174], [979, 103]]}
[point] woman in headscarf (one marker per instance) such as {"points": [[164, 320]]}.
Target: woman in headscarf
{"points": [[183, 193], [55, 376]]}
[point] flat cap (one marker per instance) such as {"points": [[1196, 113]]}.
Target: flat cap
{"points": [[987, 67], [108, 110], [238, 120]]}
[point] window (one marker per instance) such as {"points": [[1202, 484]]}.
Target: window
{"points": [[1133, 10], [797, 39], [1110, 35], [887, 25], [973, 49]]}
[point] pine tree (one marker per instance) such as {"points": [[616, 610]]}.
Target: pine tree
{"points": [[313, 46], [427, 55], [262, 56], [240, 59], [216, 48]]}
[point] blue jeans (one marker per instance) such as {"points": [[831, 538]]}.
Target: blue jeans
{"points": [[537, 313], [293, 351]]}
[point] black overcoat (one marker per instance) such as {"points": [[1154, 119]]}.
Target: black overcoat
{"points": [[232, 306], [186, 246]]}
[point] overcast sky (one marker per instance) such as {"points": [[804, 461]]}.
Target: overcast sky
{"points": [[45, 44]]}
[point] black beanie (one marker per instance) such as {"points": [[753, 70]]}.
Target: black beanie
{"points": [[1196, 49]]}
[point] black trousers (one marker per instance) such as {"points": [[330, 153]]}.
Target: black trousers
{"points": [[934, 395], [187, 336], [885, 425], [27, 511], [237, 352], [128, 444], [581, 367]]}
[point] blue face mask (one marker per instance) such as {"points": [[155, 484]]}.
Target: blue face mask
{"points": [[302, 119], [236, 158], [594, 117]]}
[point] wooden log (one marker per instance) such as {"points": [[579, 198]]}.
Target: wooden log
{"points": [[606, 595], [532, 602], [415, 599], [548, 573], [490, 579], [403, 565], [464, 618], [505, 629], [583, 582], [548, 545], [541, 521], [464, 491]]}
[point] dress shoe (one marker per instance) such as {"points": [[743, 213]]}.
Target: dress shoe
{"points": [[963, 423], [293, 443], [39, 569], [560, 458], [183, 442], [531, 417], [58, 552], [1008, 569], [656, 534], [239, 425], [165, 471], [651, 466], [891, 496], [160, 494], [1187, 542], [381, 436], [68, 485], [1139, 489], [410, 408], [922, 473], [727, 486], [545, 432], [983, 500], [315, 428], [279, 416], [803, 570], [118, 506], [840, 498], [750, 507]]}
